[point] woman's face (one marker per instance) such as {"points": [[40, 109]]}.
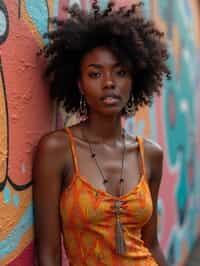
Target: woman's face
{"points": [[105, 82]]}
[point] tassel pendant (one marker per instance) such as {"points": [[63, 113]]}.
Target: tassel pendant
{"points": [[120, 242]]}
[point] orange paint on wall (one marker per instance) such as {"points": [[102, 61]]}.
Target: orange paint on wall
{"points": [[3, 131], [10, 215]]}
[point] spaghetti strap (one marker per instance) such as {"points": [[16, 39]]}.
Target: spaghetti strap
{"points": [[140, 140], [73, 149]]}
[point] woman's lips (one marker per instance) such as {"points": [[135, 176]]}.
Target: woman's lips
{"points": [[110, 99]]}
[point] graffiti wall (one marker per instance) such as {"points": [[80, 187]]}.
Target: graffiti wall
{"points": [[180, 111], [173, 122], [26, 114]]}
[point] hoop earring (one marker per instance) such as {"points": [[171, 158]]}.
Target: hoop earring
{"points": [[130, 108], [83, 108]]}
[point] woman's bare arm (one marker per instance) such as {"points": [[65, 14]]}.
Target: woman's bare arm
{"points": [[154, 155], [47, 179]]}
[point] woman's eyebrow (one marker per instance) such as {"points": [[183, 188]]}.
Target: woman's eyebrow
{"points": [[100, 66], [95, 65]]}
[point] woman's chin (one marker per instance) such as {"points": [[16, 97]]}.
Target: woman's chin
{"points": [[109, 112]]}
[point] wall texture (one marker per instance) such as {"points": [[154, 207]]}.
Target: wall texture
{"points": [[26, 113]]}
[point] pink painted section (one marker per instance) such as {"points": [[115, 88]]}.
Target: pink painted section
{"points": [[169, 180], [26, 258], [29, 106], [30, 116]]}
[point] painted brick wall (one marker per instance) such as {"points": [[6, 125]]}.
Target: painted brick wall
{"points": [[26, 113]]}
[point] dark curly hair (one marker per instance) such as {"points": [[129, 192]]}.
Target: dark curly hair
{"points": [[125, 31]]}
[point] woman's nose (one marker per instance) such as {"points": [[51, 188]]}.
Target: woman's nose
{"points": [[109, 82]]}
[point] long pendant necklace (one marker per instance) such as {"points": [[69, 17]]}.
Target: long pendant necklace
{"points": [[120, 242]]}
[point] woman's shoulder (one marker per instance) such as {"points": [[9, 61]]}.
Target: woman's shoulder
{"points": [[152, 148], [53, 140], [58, 140], [153, 153], [53, 149]]}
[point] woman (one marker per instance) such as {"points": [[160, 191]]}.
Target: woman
{"points": [[93, 182]]}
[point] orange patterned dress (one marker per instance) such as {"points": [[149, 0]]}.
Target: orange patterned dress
{"points": [[88, 221]]}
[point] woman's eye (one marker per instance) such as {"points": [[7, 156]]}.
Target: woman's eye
{"points": [[94, 74], [121, 73]]}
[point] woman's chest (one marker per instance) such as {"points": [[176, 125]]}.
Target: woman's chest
{"points": [[111, 169], [82, 205]]}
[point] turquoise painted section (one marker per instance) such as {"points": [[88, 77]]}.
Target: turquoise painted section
{"points": [[103, 4], [11, 242], [16, 200], [38, 11], [3, 25], [7, 195], [147, 8], [56, 7], [180, 125]]}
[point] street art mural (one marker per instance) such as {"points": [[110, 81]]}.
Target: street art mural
{"points": [[174, 124], [180, 116], [26, 114], [23, 117]]}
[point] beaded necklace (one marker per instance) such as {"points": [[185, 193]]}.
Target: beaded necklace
{"points": [[120, 242]]}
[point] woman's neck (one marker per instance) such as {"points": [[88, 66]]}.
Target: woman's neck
{"points": [[103, 128]]}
